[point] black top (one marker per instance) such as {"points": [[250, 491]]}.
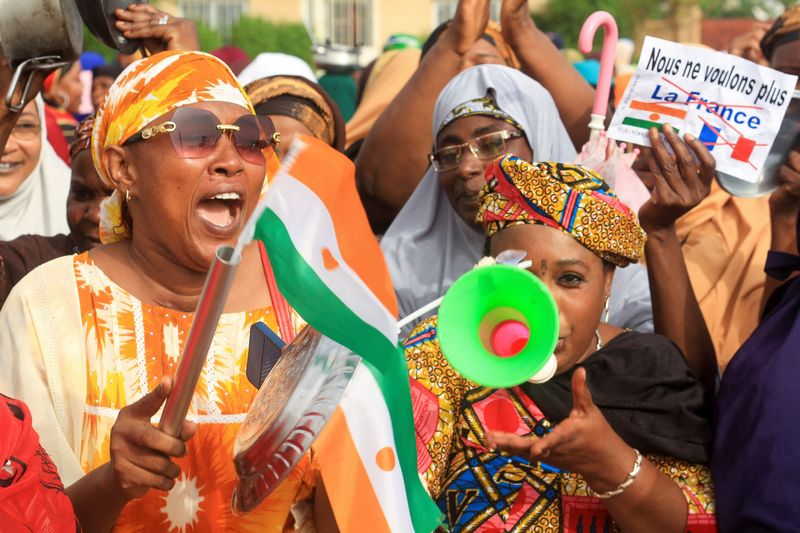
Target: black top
{"points": [[643, 385], [23, 254]]}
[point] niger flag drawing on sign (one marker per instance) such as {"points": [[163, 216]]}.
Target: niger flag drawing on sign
{"points": [[330, 269]]}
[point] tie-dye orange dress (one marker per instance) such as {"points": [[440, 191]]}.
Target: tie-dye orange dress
{"points": [[130, 347]]}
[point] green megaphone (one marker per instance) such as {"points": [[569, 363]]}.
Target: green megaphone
{"points": [[498, 326]]}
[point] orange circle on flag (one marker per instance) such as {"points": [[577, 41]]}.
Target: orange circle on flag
{"points": [[385, 459], [328, 261], [655, 116]]}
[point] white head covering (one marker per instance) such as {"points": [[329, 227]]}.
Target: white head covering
{"points": [[275, 64], [428, 246], [39, 205]]}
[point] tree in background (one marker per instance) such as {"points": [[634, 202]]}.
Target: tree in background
{"points": [[567, 17], [251, 34], [93, 44], [760, 9], [209, 38], [255, 35]]}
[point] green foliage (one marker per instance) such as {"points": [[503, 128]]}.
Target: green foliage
{"points": [[743, 8], [255, 35], [93, 44], [208, 37], [567, 17]]}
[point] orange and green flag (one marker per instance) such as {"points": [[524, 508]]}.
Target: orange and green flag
{"points": [[329, 267]]}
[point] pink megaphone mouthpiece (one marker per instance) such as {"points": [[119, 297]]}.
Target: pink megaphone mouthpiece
{"points": [[509, 338]]}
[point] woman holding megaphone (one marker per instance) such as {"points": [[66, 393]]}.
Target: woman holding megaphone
{"points": [[621, 436]]}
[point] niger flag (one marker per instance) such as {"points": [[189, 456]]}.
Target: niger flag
{"points": [[330, 269]]}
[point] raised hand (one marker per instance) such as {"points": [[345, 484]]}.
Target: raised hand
{"points": [[584, 443], [748, 45], [140, 452], [469, 23], [676, 183], [515, 17], [785, 201], [784, 204], [141, 21]]}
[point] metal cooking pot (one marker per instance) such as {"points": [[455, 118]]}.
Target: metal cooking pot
{"points": [[99, 18], [292, 407], [337, 57], [37, 35], [768, 180]]}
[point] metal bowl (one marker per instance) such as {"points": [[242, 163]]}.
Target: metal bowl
{"points": [[37, 35], [99, 18], [38, 28], [337, 57], [768, 180], [290, 410]]}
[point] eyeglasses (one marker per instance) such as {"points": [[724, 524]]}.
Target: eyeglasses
{"points": [[486, 146], [26, 130], [195, 132]]}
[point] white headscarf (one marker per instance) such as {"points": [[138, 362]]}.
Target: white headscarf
{"points": [[39, 205], [428, 246], [275, 64]]}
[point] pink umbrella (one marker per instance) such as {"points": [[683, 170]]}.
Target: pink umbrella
{"points": [[601, 153]]}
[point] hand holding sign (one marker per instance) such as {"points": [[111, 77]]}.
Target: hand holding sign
{"points": [[734, 107], [786, 198], [784, 205], [677, 183]]}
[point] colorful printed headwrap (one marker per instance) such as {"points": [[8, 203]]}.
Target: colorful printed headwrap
{"points": [[786, 28], [571, 198], [486, 106], [83, 137], [148, 89]]}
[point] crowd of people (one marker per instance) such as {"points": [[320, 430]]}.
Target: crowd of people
{"points": [[679, 323]]}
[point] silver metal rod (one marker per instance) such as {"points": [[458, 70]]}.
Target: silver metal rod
{"points": [[209, 308]]}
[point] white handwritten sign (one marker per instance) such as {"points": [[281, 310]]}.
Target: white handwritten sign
{"points": [[732, 105]]}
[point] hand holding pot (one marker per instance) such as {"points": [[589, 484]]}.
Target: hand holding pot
{"points": [[158, 30]]}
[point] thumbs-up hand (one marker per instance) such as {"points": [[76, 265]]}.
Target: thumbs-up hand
{"points": [[583, 443], [140, 452]]}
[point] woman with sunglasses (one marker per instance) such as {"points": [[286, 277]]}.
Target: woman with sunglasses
{"points": [[83, 336], [483, 113]]}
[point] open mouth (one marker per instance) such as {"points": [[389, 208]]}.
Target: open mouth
{"points": [[221, 212]]}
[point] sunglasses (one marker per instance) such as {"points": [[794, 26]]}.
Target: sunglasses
{"points": [[487, 146], [195, 132]]}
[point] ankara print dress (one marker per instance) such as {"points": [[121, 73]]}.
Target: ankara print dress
{"points": [[481, 490], [131, 347]]}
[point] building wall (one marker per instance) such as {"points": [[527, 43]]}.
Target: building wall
{"points": [[276, 11], [415, 17]]}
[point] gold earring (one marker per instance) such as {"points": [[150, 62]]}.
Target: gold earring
{"points": [[605, 318], [127, 195]]}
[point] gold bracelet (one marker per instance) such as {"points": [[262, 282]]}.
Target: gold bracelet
{"points": [[637, 466]]}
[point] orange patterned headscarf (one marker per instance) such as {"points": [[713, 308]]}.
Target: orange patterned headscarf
{"points": [[148, 89]]}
